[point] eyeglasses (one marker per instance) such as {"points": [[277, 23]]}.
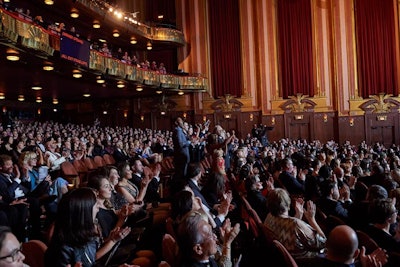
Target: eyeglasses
{"points": [[15, 255]]}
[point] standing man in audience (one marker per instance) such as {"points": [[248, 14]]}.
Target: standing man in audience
{"points": [[181, 149]]}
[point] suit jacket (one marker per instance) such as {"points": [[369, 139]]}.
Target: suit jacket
{"points": [[7, 188], [181, 144], [120, 156], [292, 185], [152, 189], [333, 207]]}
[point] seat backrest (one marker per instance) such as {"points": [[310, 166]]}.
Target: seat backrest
{"points": [[34, 253], [287, 258], [366, 241], [80, 166], [170, 250], [99, 161], [68, 169], [89, 163], [267, 233], [109, 159]]}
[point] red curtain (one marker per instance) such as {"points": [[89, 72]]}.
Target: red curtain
{"points": [[295, 47], [225, 47], [375, 26]]}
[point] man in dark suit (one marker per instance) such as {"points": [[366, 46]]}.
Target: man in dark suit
{"points": [[181, 149], [288, 178], [152, 194], [15, 200], [120, 154]]}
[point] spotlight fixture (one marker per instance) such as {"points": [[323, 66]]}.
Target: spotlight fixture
{"points": [[181, 93], [21, 98], [139, 88], [116, 33], [36, 87], [86, 95], [55, 101], [49, 2], [74, 13], [54, 110], [120, 84], [100, 80], [133, 40], [149, 45], [12, 55], [76, 74], [2, 96], [48, 66], [96, 24], [38, 99]]}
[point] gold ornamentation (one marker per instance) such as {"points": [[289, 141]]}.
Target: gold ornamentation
{"points": [[298, 103], [381, 103]]}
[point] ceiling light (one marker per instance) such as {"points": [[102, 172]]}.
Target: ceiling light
{"points": [[6, 1], [100, 79], [77, 74], [159, 92], [36, 87], [120, 84], [21, 98], [55, 110], [181, 93], [139, 88], [102, 40], [160, 16], [149, 46], [12, 55], [39, 111], [133, 40], [86, 95], [48, 66], [38, 99], [48, 2], [55, 101], [96, 24], [105, 112], [2, 96], [116, 33], [74, 13]]}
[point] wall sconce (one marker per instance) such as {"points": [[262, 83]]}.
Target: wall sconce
{"points": [[76, 74], [36, 87], [204, 118], [298, 117], [120, 84], [21, 98], [227, 116], [96, 24], [351, 122], [12, 55], [251, 117], [133, 40], [142, 118], [159, 91], [2, 96], [162, 112], [4, 109], [149, 45], [184, 115], [181, 93], [38, 99], [74, 13], [48, 2], [272, 120], [48, 66], [116, 33], [39, 111], [139, 88], [325, 117], [55, 101], [86, 95], [381, 118], [100, 79], [125, 114]]}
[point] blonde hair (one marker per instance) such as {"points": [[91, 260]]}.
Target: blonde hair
{"points": [[26, 156]]}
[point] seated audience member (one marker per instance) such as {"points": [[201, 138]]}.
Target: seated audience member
{"points": [[75, 238], [127, 188], [313, 181], [117, 200], [214, 189], [300, 239], [14, 194], [342, 251], [198, 244], [383, 214], [120, 155], [331, 200], [52, 157], [289, 180], [10, 249], [255, 197], [358, 211], [139, 172]]}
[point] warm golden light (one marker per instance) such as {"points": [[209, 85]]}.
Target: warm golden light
{"points": [[120, 84], [181, 93], [48, 67], [133, 40], [86, 95], [36, 88], [100, 80], [39, 111], [125, 113], [47, 2], [116, 33], [149, 46], [38, 99], [74, 13], [76, 74], [55, 101], [12, 55], [2, 96], [159, 92], [139, 88], [96, 24], [141, 117], [21, 98], [351, 122]]}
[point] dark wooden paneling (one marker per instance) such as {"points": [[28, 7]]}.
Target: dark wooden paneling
{"points": [[324, 126], [355, 134]]}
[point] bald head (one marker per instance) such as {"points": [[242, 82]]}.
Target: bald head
{"points": [[342, 245]]}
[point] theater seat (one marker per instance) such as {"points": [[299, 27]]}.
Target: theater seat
{"points": [[34, 253], [288, 260]]}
